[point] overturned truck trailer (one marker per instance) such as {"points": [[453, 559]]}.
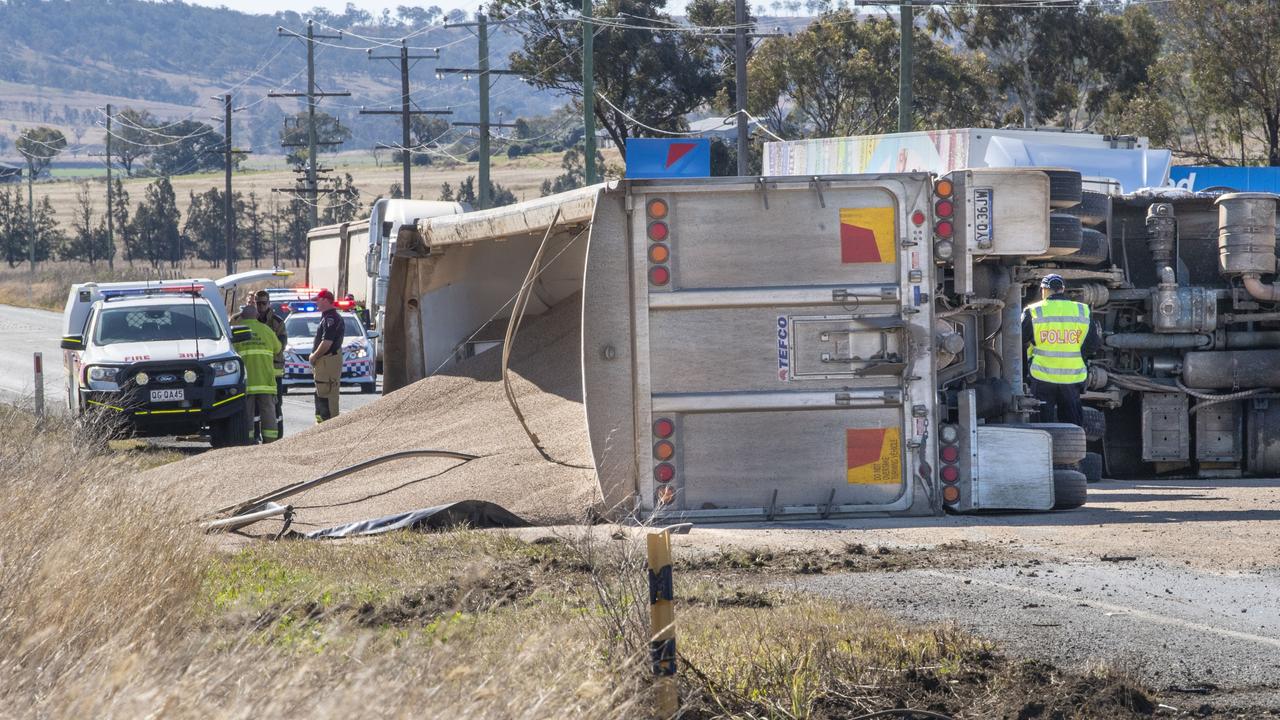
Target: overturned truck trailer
{"points": [[770, 348]]}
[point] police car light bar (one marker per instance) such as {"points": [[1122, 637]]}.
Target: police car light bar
{"points": [[345, 304]]}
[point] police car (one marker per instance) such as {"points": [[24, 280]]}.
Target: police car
{"points": [[357, 348], [156, 357]]}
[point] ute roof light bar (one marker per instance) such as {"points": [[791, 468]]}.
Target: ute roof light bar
{"points": [[193, 290]]}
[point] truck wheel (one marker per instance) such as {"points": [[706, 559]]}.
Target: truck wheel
{"points": [[1094, 249], [369, 388], [1095, 424], [1068, 441], [1064, 188], [1065, 234], [1091, 467], [1093, 208], [1070, 489]]}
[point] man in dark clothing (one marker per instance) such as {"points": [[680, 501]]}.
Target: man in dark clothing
{"points": [[1058, 333], [326, 357]]}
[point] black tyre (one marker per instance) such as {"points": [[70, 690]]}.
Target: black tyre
{"points": [[1091, 467], [1064, 188], [1093, 208], [229, 431], [1094, 249], [1095, 424], [369, 388], [1070, 489], [1068, 441], [1065, 234]]}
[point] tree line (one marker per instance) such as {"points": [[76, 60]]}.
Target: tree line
{"points": [[154, 232], [1197, 76]]}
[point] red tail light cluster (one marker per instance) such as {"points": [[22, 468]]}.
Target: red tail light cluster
{"points": [[659, 233], [944, 210], [664, 452], [949, 454]]}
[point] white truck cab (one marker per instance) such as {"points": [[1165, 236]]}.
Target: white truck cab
{"points": [[157, 356]]}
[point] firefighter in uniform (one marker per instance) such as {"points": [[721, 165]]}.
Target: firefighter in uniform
{"points": [[1058, 333], [326, 357], [259, 386], [359, 309], [262, 310]]}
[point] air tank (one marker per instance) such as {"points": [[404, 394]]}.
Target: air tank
{"points": [[1247, 233]]}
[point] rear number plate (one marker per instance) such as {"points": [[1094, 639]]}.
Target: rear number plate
{"points": [[982, 230], [168, 395]]}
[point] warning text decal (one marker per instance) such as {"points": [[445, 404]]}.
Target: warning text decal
{"points": [[873, 456]]}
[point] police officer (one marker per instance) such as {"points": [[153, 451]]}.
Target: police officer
{"points": [[264, 314], [326, 357], [1058, 333]]}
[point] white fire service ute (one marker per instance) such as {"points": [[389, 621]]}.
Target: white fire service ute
{"points": [[157, 357]]}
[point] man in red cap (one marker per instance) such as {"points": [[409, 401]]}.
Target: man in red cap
{"points": [[326, 357]]}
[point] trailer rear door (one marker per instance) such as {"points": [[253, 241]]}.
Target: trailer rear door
{"points": [[781, 342]]}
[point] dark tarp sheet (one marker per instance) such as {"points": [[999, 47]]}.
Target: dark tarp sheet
{"points": [[468, 513]]}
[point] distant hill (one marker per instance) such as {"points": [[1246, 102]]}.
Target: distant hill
{"points": [[62, 59]]}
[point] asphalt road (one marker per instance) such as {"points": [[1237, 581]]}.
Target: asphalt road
{"points": [[24, 331], [1174, 581]]}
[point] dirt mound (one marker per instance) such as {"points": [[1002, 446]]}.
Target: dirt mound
{"points": [[464, 411]]}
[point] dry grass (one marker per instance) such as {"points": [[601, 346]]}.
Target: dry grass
{"points": [[522, 175], [113, 605]]}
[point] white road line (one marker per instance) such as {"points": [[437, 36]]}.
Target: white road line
{"points": [[1112, 608]]}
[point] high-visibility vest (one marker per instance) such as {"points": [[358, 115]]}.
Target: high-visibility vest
{"points": [[1059, 328], [257, 354]]}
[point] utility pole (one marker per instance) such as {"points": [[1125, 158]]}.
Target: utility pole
{"points": [[228, 205], [228, 210], [906, 32], [312, 95], [31, 214], [405, 112], [484, 72], [740, 79], [906, 25], [111, 232], [589, 93]]}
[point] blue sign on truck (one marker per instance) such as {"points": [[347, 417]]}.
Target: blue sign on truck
{"points": [[668, 157], [1237, 179]]}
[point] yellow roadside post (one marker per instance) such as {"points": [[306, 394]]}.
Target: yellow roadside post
{"points": [[662, 620]]}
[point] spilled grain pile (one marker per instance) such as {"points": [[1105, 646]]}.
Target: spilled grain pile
{"points": [[464, 411]]}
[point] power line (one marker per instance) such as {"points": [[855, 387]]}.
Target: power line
{"points": [[483, 75], [405, 112], [311, 95]]}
